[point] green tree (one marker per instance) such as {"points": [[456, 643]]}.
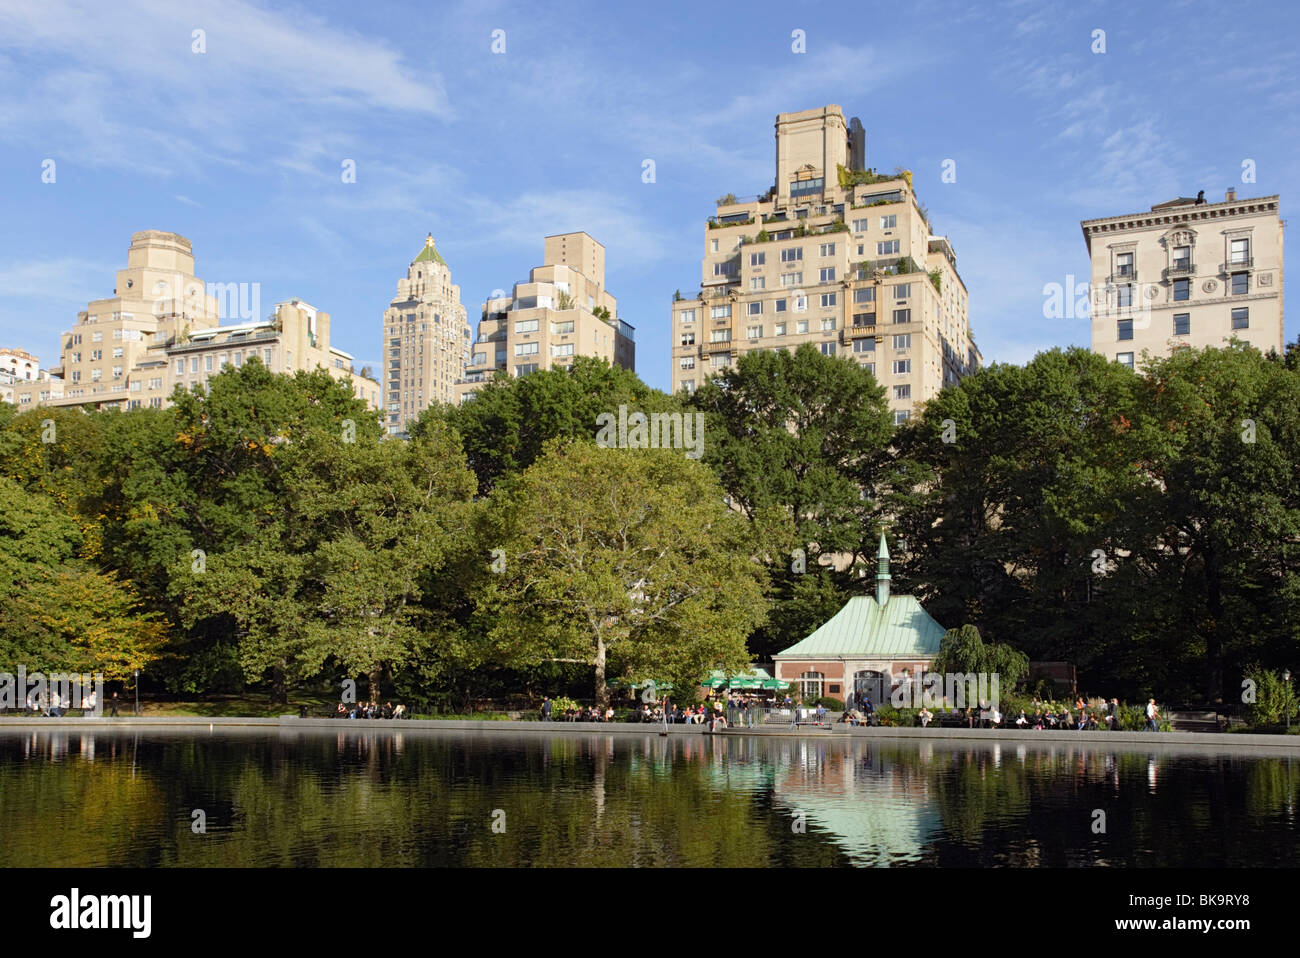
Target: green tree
{"points": [[803, 435], [625, 558]]}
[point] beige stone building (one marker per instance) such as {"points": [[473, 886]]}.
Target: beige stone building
{"points": [[160, 329], [426, 340], [1188, 273], [563, 310], [834, 255]]}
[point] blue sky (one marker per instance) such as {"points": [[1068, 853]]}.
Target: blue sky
{"points": [[241, 148]]}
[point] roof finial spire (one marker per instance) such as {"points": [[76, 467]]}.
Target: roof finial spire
{"points": [[882, 573], [428, 240]]}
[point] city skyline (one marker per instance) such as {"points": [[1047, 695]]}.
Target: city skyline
{"points": [[502, 158]]}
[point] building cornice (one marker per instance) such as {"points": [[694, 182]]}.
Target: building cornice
{"points": [[1178, 215]]}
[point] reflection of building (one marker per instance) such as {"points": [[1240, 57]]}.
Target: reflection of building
{"points": [[858, 651], [562, 311], [877, 808]]}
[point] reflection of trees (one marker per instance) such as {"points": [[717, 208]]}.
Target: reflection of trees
{"points": [[357, 800], [369, 799]]}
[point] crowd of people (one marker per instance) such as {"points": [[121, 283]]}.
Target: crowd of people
{"points": [[370, 710]]}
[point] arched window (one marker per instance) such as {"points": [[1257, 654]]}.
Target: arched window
{"points": [[869, 684]]}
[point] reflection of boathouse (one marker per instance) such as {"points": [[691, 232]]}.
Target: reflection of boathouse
{"points": [[865, 647]]}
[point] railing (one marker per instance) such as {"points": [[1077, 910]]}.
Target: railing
{"points": [[1123, 275], [1181, 268], [1246, 262]]}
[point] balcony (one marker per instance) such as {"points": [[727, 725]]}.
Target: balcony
{"points": [[1181, 267], [1123, 274], [1237, 265]]}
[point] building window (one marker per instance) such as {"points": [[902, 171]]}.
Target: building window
{"points": [[1124, 359], [901, 416], [1125, 329], [902, 367], [902, 290], [826, 249], [563, 349], [864, 319], [1240, 252], [778, 329], [864, 345], [687, 362], [1182, 290], [827, 275], [903, 341], [791, 279], [887, 248], [1123, 264], [1182, 324], [754, 309], [686, 316], [1182, 257], [861, 226], [526, 326], [902, 316], [720, 312], [828, 349], [720, 336], [724, 269], [780, 306], [870, 367], [527, 349], [757, 282], [828, 324], [903, 392], [792, 255], [1241, 318], [754, 332], [713, 246], [207, 363], [864, 294], [802, 327], [688, 339], [757, 259], [1124, 296], [525, 368], [889, 222], [828, 299], [117, 352], [566, 327], [1240, 284]]}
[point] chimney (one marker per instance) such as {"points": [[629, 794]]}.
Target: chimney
{"points": [[1200, 197], [1230, 196]]}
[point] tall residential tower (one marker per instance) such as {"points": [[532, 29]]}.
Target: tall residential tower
{"points": [[834, 255], [1186, 273], [563, 310], [426, 340]]}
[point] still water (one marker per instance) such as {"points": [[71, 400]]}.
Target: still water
{"points": [[306, 798]]}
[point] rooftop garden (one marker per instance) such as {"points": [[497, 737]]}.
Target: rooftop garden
{"points": [[849, 178]]}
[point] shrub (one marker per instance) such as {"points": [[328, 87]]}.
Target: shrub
{"points": [[1274, 699]]}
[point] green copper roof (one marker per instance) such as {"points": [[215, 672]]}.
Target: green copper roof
{"points": [[863, 628], [429, 254]]}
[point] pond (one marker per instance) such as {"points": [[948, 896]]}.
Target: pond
{"points": [[361, 798]]}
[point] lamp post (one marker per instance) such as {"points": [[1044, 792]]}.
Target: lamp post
{"points": [[137, 691], [1286, 677]]}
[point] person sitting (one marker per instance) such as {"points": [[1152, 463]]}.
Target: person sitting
{"points": [[340, 711], [926, 717], [388, 710], [399, 712], [1065, 720], [1037, 720], [1021, 720]]}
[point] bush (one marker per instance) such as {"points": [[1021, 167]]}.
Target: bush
{"points": [[1274, 699]]}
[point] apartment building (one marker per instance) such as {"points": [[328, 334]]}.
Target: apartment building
{"points": [[426, 340], [161, 328], [561, 311], [1187, 273], [835, 255]]}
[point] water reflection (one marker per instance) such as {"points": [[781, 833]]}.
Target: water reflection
{"points": [[373, 799]]}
